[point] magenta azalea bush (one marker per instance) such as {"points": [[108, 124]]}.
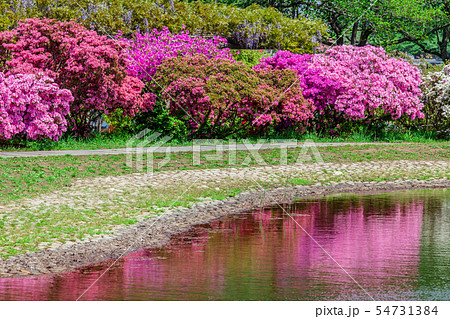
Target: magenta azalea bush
{"points": [[147, 51], [358, 82], [220, 97], [32, 106], [317, 87], [93, 67]]}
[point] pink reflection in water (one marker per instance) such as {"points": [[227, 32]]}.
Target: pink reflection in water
{"points": [[263, 255]]}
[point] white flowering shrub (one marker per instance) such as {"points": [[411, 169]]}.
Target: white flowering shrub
{"points": [[436, 98], [436, 89]]}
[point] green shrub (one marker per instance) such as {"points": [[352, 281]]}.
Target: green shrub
{"points": [[120, 121], [159, 120], [272, 30]]}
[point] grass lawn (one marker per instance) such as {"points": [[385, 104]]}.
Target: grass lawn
{"points": [[24, 177]]}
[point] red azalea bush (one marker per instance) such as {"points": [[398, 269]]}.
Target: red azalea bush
{"points": [[355, 82], [219, 97], [92, 67], [33, 107]]}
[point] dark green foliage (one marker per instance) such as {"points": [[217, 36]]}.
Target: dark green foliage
{"points": [[159, 120]]}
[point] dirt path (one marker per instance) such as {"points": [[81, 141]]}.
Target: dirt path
{"points": [[178, 149]]}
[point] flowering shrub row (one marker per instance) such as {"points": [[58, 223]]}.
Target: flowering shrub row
{"points": [[32, 107], [355, 82], [48, 66]]}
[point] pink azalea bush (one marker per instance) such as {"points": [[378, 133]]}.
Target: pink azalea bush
{"points": [[371, 82], [357, 82], [221, 97], [33, 107], [93, 67], [147, 51]]}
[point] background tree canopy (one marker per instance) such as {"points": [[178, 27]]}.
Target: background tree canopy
{"points": [[252, 27], [414, 26]]}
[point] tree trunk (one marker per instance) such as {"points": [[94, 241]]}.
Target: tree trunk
{"points": [[365, 34], [443, 46], [444, 54], [337, 30], [354, 33]]}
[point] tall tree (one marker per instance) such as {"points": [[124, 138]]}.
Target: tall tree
{"points": [[422, 23], [340, 15], [427, 26]]}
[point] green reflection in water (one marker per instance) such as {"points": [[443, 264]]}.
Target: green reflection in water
{"points": [[434, 262]]}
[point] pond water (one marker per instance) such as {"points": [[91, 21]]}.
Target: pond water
{"points": [[395, 246]]}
